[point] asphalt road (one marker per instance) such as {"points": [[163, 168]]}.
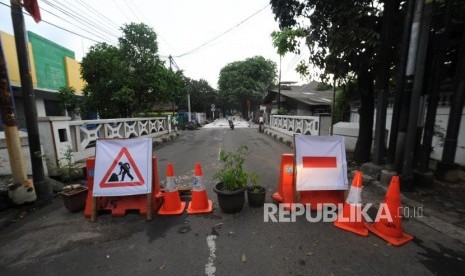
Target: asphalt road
{"points": [[51, 241]]}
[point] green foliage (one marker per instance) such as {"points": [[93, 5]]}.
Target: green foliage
{"points": [[281, 111], [343, 37], [68, 98], [127, 80], [67, 169], [202, 95], [105, 71], [232, 172], [241, 83], [254, 179], [288, 40]]}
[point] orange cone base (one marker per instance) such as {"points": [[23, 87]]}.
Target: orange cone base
{"points": [[208, 209], [164, 212], [277, 197], [172, 204], [322, 197], [352, 227], [392, 240]]}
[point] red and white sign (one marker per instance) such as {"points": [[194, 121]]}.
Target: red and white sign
{"points": [[123, 167], [320, 163]]}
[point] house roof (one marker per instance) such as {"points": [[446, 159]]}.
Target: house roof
{"points": [[307, 93]]}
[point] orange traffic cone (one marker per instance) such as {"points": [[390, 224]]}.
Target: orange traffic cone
{"points": [[285, 193], [391, 231], [199, 203], [172, 204], [352, 219]]}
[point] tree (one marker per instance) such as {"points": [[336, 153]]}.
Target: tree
{"points": [[240, 81], [126, 80], [202, 95], [139, 48], [105, 71], [343, 39]]}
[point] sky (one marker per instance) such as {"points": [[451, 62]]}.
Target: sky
{"points": [[242, 29]]}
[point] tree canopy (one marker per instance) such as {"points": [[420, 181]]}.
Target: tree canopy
{"points": [[343, 39], [241, 83], [126, 80]]}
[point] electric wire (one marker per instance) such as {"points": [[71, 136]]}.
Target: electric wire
{"points": [[56, 26], [223, 33], [79, 19], [130, 9], [93, 34], [98, 13], [90, 14], [121, 11]]}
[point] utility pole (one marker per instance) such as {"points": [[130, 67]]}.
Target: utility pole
{"points": [[333, 106], [407, 87], [43, 189], [22, 190], [279, 83], [414, 118], [399, 97], [172, 98]]}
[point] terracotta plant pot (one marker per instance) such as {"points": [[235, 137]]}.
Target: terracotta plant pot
{"points": [[74, 197]]}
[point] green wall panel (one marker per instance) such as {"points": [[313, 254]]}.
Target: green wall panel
{"points": [[49, 59]]}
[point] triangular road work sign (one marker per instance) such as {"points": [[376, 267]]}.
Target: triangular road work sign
{"points": [[111, 179]]}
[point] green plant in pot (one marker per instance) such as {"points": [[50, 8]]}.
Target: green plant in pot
{"points": [[233, 180], [255, 193], [73, 195]]}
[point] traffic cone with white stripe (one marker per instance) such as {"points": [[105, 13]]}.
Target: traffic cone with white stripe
{"points": [[352, 219], [172, 204], [199, 203], [389, 227]]}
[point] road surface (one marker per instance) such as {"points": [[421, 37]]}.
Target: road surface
{"points": [[51, 241]]}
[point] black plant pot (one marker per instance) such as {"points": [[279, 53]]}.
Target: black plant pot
{"points": [[256, 199], [230, 201]]}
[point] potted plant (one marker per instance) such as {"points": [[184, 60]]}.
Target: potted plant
{"points": [[255, 193], [73, 195], [233, 180]]}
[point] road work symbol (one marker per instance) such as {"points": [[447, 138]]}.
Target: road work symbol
{"points": [[126, 165], [125, 168]]}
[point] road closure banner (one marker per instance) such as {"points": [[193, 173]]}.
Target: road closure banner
{"points": [[320, 163], [123, 167]]}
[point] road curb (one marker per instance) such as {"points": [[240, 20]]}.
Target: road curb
{"points": [[430, 217]]}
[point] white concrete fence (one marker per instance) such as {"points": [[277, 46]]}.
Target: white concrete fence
{"points": [[308, 125], [60, 136]]}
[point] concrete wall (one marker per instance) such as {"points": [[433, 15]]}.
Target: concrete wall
{"points": [[73, 75], [49, 62], [5, 168], [9, 52], [442, 117]]}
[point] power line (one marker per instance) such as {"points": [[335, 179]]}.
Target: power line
{"points": [[223, 33], [145, 19], [121, 11], [84, 10], [61, 28], [96, 35], [80, 19], [98, 13], [130, 9]]}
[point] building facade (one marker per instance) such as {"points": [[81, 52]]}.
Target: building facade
{"points": [[52, 66]]}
